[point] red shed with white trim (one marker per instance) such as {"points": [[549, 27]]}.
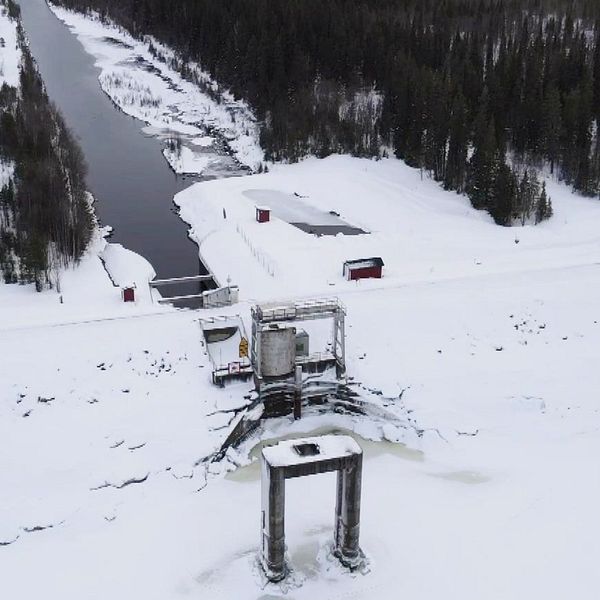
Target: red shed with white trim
{"points": [[263, 214], [128, 293], [363, 268]]}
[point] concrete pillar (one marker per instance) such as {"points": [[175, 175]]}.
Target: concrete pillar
{"points": [[310, 456], [273, 521], [347, 513]]}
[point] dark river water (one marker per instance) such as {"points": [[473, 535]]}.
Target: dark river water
{"points": [[132, 183]]}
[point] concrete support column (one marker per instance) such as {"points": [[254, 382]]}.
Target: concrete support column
{"points": [[310, 456], [273, 521], [347, 513]]}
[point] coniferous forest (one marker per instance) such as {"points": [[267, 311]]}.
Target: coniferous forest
{"points": [[45, 219], [479, 93]]}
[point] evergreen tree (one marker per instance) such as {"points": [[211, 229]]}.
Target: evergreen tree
{"points": [[551, 126], [458, 145], [544, 206], [504, 194], [483, 168], [44, 205]]}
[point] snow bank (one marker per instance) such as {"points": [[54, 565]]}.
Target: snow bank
{"points": [[185, 161], [140, 78], [128, 269], [86, 290]]}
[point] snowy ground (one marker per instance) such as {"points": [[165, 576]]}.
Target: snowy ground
{"points": [[423, 233], [484, 349], [501, 503], [91, 290], [10, 53], [148, 87]]}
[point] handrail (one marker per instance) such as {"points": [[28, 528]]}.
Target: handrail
{"points": [[179, 298], [175, 280]]}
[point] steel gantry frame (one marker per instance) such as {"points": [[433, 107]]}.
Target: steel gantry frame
{"points": [[264, 315]]}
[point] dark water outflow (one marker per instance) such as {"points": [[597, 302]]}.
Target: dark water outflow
{"points": [[132, 183], [320, 230]]}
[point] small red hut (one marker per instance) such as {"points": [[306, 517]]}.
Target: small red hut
{"points": [[363, 268], [128, 293], [263, 214]]}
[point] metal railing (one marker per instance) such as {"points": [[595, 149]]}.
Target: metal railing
{"points": [[175, 280]]}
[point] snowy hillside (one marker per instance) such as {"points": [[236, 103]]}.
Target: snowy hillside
{"points": [[481, 350]]}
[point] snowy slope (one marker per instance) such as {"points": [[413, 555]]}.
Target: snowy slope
{"points": [[86, 290]]}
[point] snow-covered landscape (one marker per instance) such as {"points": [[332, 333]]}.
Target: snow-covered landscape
{"points": [[422, 233], [477, 350], [483, 349]]}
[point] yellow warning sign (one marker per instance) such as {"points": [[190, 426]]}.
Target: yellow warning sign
{"points": [[243, 348]]}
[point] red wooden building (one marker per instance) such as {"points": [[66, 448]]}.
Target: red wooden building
{"points": [[363, 268], [263, 214], [128, 293]]}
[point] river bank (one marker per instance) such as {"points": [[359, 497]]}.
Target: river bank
{"points": [[143, 78]]}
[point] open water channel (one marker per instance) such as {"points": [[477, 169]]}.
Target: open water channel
{"points": [[132, 183]]}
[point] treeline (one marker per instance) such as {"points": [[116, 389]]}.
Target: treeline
{"points": [[45, 218], [465, 89]]}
